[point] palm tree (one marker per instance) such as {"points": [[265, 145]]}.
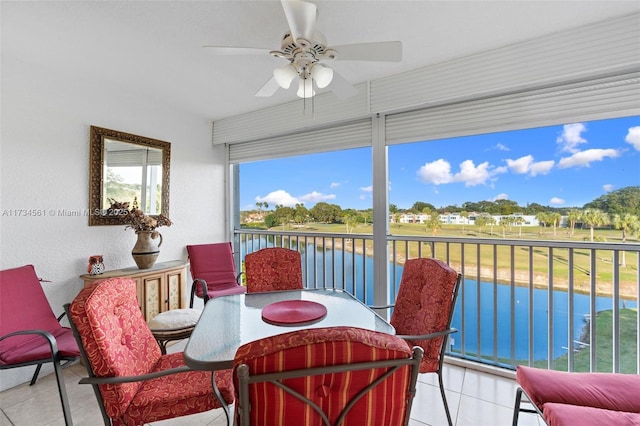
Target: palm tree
{"points": [[555, 218], [628, 223], [504, 222], [434, 223], [480, 222], [543, 218], [593, 218], [519, 221], [464, 215], [573, 217], [491, 221]]}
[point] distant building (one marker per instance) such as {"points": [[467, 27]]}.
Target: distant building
{"points": [[458, 219]]}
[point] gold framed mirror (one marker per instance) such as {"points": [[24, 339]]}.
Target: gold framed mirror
{"points": [[127, 168]]}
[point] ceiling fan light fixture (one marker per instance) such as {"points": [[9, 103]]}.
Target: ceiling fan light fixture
{"points": [[305, 88], [285, 75], [322, 75]]}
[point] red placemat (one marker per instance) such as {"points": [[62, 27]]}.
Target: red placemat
{"points": [[293, 312]]}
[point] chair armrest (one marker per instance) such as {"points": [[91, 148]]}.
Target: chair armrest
{"points": [[381, 306], [203, 284], [428, 336], [53, 344], [130, 379]]}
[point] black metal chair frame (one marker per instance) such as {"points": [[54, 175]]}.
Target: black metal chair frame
{"points": [[517, 409], [245, 379], [59, 363]]}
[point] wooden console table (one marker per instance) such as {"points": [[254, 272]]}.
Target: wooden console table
{"points": [[160, 288]]}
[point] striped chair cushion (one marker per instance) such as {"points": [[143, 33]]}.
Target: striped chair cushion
{"points": [[386, 404]]}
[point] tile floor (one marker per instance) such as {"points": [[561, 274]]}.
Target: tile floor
{"points": [[475, 399]]}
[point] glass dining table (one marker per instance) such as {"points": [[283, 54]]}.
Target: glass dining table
{"points": [[230, 321]]}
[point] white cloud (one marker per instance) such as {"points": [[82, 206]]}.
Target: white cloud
{"points": [[584, 158], [542, 167], [366, 188], [607, 187], [501, 196], [500, 147], [334, 185], [571, 137], [279, 197], [556, 200], [437, 172], [472, 175], [527, 165], [633, 137], [520, 166], [315, 197]]}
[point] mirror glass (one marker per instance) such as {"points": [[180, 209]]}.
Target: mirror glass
{"points": [[127, 168]]}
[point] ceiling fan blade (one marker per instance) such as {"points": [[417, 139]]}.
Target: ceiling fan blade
{"points": [[269, 88], [301, 17], [383, 51], [236, 51], [341, 87]]}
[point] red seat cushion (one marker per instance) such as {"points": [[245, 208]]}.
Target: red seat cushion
{"points": [[272, 269], [24, 306], [214, 264], [223, 289], [557, 414], [423, 305], [118, 342], [36, 347], [611, 391]]}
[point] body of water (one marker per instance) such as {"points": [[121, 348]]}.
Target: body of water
{"points": [[493, 310]]}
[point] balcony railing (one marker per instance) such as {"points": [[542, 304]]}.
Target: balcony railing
{"points": [[561, 305]]}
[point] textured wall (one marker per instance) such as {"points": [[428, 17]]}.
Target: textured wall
{"points": [[44, 156]]}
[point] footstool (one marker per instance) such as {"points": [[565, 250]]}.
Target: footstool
{"points": [[175, 324]]}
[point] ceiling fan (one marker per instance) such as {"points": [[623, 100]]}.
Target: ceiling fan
{"points": [[306, 51]]}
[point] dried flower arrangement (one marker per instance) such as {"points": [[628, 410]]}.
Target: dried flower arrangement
{"points": [[135, 218]]}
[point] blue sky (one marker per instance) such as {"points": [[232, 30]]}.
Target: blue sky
{"points": [[560, 166]]}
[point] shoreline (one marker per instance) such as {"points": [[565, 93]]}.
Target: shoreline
{"points": [[521, 279]]}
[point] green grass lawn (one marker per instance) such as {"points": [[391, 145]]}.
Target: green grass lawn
{"points": [[502, 260], [604, 345]]}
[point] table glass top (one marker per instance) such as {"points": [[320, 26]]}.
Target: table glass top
{"points": [[231, 321]]}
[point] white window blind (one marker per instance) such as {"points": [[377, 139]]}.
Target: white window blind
{"points": [[609, 97], [346, 136], [134, 157]]}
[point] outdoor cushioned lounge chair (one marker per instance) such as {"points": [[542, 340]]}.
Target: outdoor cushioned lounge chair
{"points": [[213, 270], [133, 382], [30, 333], [423, 312], [585, 399], [326, 376], [273, 269]]}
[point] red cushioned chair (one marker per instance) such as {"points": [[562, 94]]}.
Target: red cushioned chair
{"points": [[585, 399], [423, 312], [326, 376], [133, 382], [30, 333], [213, 270], [273, 269]]}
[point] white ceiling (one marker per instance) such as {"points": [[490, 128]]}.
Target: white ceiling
{"points": [[154, 48]]}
